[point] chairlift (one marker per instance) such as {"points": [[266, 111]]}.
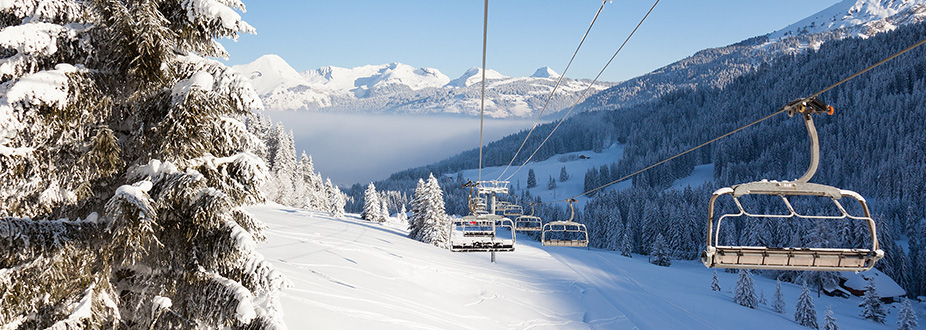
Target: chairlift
{"points": [[792, 258], [491, 186], [528, 222], [480, 233], [501, 207], [565, 233], [513, 210]]}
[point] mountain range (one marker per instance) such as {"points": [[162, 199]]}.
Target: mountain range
{"points": [[401, 88]]}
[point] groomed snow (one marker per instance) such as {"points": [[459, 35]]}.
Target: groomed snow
{"points": [[353, 274]]}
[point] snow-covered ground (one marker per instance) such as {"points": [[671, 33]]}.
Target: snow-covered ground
{"points": [[576, 166], [353, 274], [544, 169]]}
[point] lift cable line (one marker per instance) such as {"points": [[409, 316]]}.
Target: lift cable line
{"points": [[584, 93], [783, 109], [553, 92], [482, 104]]}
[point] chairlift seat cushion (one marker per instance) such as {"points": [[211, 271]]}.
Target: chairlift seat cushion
{"points": [[786, 188], [827, 259], [565, 242]]}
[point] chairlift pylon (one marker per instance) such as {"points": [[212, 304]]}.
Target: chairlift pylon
{"points": [[479, 231], [792, 258], [565, 233]]}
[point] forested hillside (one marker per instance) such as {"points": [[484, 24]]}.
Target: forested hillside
{"points": [[873, 144]]}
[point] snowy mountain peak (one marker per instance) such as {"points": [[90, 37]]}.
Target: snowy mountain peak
{"points": [[545, 72], [474, 76], [270, 72], [864, 17], [363, 80]]}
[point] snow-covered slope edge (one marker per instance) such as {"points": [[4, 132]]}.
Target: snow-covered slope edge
{"points": [[401, 88], [352, 274]]}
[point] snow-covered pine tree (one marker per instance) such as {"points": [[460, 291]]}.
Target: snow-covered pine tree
{"points": [[372, 209], [339, 201], [829, 321], [715, 283], [871, 303], [114, 121], [335, 199], [778, 304], [384, 209], [418, 204], [435, 224], [315, 192], [762, 299], [627, 242], [283, 187], [745, 290], [563, 176], [403, 214], [531, 179], [805, 313], [551, 184], [906, 317], [660, 253]]}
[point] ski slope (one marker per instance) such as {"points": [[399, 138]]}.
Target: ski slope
{"points": [[353, 274]]}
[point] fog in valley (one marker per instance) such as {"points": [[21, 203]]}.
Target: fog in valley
{"points": [[359, 148]]}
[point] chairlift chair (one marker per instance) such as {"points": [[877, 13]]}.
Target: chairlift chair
{"points": [[492, 186], [480, 233], [501, 207], [513, 210], [565, 233], [528, 222], [792, 258]]}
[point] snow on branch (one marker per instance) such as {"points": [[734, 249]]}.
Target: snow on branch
{"points": [[79, 311], [29, 238], [154, 171], [131, 216], [32, 41], [48, 88], [219, 293], [54, 10], [215, 12], [238, 176], [227, 82]]}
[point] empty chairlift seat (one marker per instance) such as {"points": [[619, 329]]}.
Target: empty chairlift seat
{"points": [[789, 258], [513, 210], [528, 223], [565, 233], [482, 233]]}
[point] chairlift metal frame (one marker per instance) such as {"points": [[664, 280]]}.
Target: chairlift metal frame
{"points": [[491, 186], [565, 227], [791, 258], [479, 233], [528, 222], [514, 210]]}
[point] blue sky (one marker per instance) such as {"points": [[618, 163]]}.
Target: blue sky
{"points": [[523, 34]]}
